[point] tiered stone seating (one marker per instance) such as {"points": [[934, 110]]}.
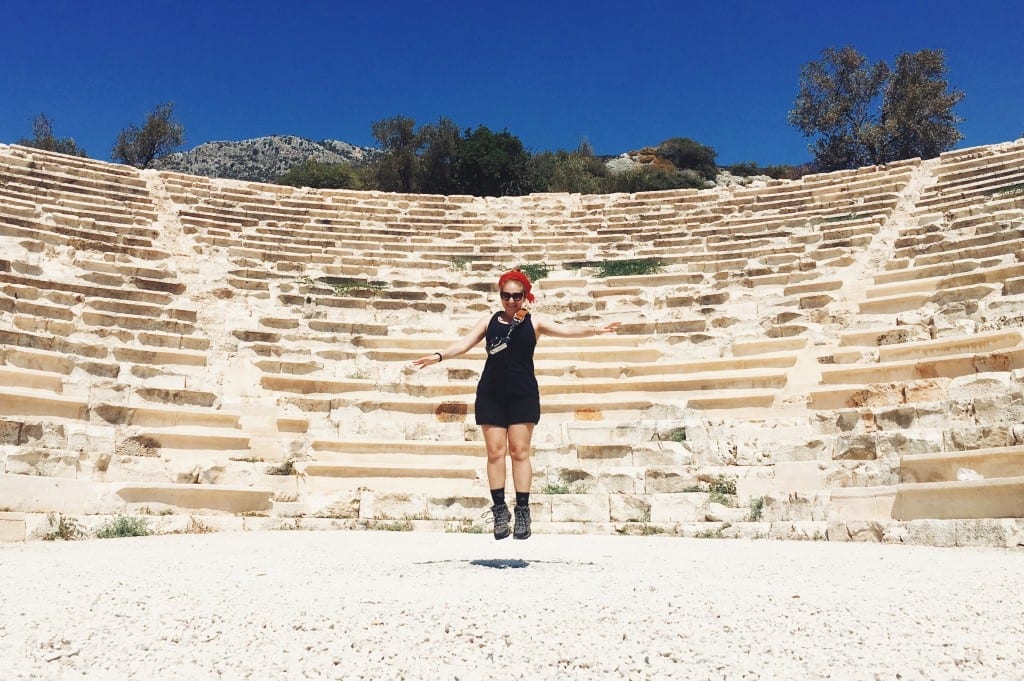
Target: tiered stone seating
{"points": [[814, 357]]}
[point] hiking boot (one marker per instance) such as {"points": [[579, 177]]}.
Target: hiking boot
{"points": [[522, 523], [501, 518]]}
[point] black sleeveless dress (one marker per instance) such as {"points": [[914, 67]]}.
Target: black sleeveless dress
{"points": [[507, 392]]}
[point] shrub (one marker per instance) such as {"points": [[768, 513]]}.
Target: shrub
{"points": [[319, 175], [684, 153], [123, 526]]}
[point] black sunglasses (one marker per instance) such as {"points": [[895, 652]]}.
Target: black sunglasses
{"points": [[505, 295]]}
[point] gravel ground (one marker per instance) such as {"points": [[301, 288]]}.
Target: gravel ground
{"points": [[390, 605]]}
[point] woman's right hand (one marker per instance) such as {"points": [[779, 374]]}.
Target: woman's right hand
{"points": [[426, 361]]}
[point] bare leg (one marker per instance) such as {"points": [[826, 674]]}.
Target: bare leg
{"points": [[519, 436], [496, 439]]}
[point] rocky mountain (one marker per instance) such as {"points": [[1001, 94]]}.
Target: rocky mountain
{"points": [[261, 159]]}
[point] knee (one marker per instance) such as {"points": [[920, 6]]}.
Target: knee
{"points": [[520, 453], [495, 454]]}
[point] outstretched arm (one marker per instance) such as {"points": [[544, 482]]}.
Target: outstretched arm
{"points": [[459, 347], [545, 325]]}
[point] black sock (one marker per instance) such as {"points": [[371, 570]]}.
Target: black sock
{"points": [[522, 499], [498, 496]]}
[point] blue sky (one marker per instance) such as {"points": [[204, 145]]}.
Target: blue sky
{"points": [[621, 75]]}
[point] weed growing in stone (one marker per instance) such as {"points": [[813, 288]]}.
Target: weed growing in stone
{"points": [[459, 262], [841, 218], [123, 526], [536, 270], [628, 268], [756, 509], [64, 528], [287, 467], [196, 526], [676, 435], [1010, 190]]}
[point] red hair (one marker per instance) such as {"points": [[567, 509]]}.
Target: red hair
{"points": [[517, 275]]}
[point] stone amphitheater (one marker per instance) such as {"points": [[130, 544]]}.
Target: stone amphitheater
{"points": [[839, 357]]}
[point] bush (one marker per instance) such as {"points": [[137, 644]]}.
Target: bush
{"points": [[684, 153], [123, 526], [319, 175], [654, 178]]}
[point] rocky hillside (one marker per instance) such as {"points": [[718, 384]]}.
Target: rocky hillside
{"points": [[261, 159]]}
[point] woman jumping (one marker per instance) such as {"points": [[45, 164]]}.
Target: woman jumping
{"points": [[507, 397]]}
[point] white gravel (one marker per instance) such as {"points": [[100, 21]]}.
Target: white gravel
{"points": [[349, 605]]}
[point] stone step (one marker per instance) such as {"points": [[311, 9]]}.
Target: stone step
{"points": [[995, 498], [194, 438], [993, 462], [199, 497], [16, 402], [165, 417], [949, 366], [968, 499]]}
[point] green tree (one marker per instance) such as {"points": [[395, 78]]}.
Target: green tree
{"points": [[44, 138], [439, 157], [917, 112], [858, 113], [491, 163], [398, 168], [159, 135], [319, 175], [686, 154]]}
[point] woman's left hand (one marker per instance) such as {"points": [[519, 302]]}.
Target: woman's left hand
{"points": [[608, 328]]}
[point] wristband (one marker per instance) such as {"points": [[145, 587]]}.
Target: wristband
{"points": [[440, 357]]}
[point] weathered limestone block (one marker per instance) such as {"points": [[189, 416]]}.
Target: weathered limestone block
{"points": [[58, 463], [931, 532], [657, 481], [795, 506], [715, 512], [604, 452], [911, 416], [12, 526], [662, 454], [629, 508], [678, 508], [792, 476], [592, 508], [456, 508], [855, 531], [860, 447], [894, 444], [981, 385], [863, 474], [619, 482], [1000, 532], [999, 408], [976, 437], [35, 494], [801, 530], [391, 506]]}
